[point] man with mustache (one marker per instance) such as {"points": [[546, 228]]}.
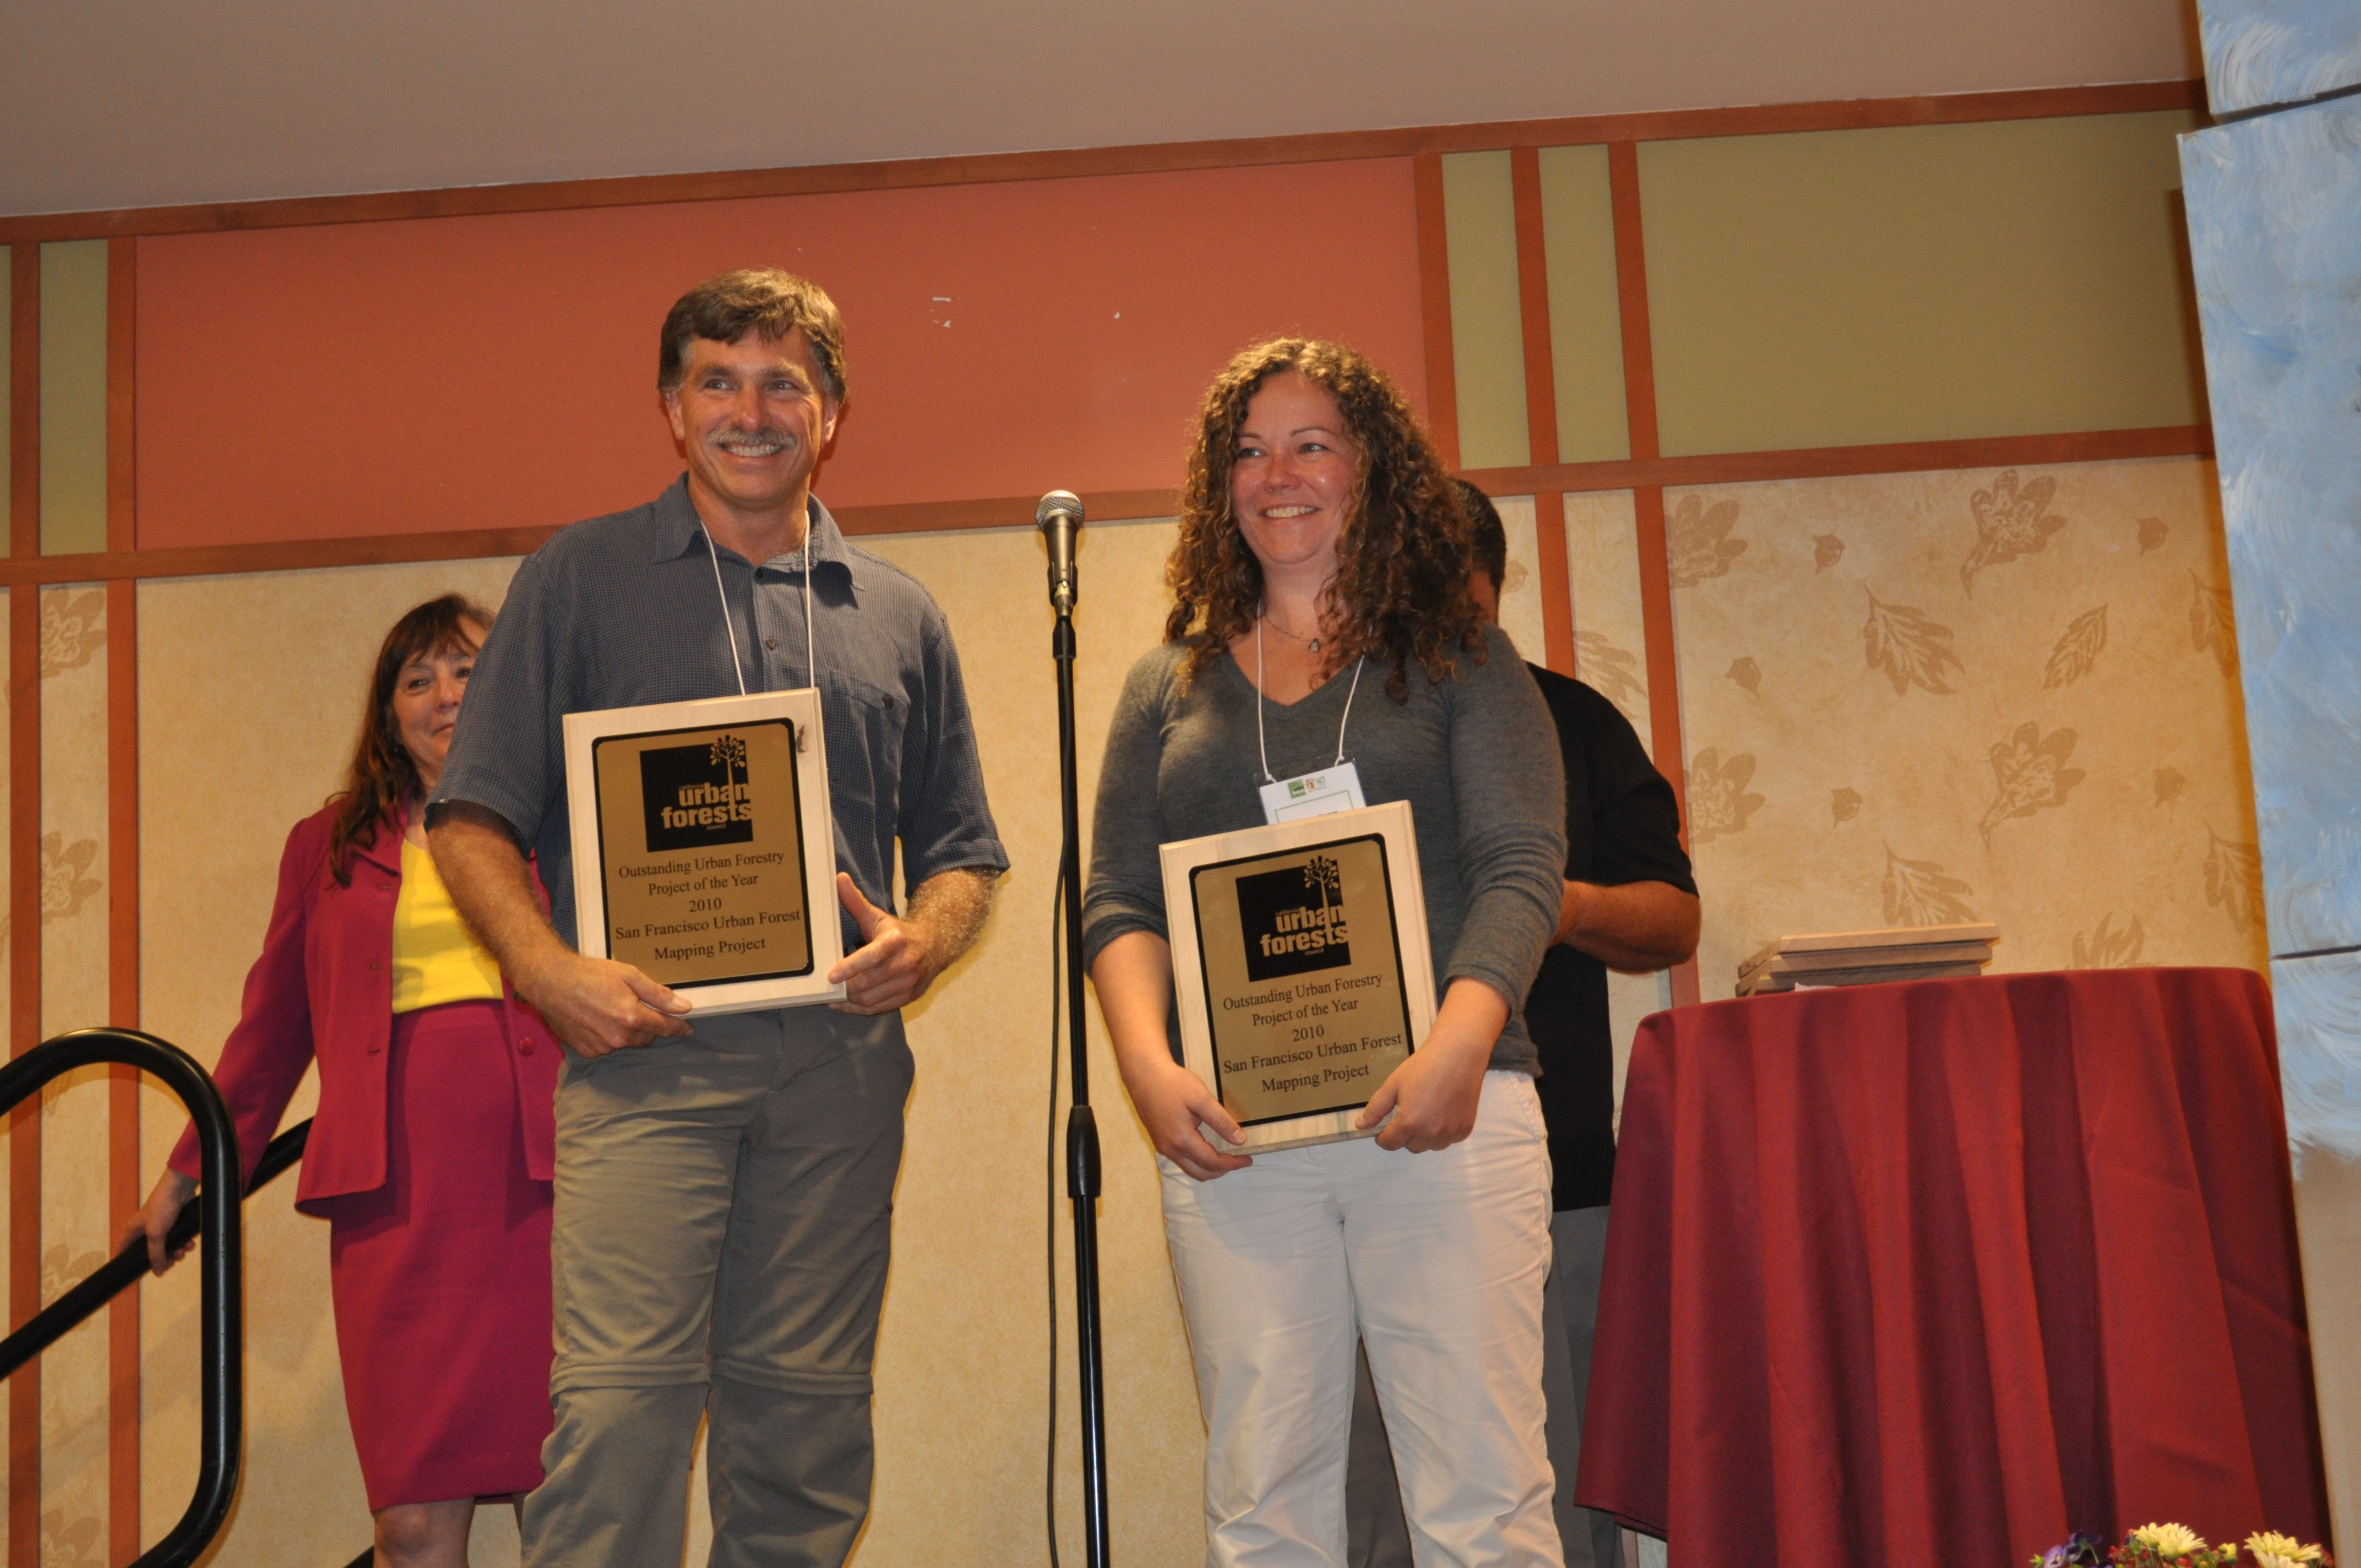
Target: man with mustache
{"points": [[723, 1202]]}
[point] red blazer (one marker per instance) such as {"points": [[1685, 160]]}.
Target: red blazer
{"points": [[323, 989]]}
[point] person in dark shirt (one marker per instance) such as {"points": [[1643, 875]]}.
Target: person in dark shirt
{"points": [[1629, 903]]}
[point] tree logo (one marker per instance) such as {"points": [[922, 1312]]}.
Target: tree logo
{"points": [[696, 795], [1293, 920]]}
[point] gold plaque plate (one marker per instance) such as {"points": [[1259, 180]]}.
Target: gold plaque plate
{"points": [[704, 854], [1300, 968], [1303, 978], [701, 853]]}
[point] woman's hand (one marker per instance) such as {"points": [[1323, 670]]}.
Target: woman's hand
{"points": [[1171, 1101], [170, 1195], [1133, 977], [1432, 1097]]}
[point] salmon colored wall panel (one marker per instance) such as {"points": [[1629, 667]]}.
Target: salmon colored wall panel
{"points": [[499, 371]]}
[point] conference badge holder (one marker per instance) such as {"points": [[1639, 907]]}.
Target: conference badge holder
{"points": [[704, 854], [1300, 966]]}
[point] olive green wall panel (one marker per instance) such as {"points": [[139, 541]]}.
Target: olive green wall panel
{"points": [[73, 397], [1932, 282], [1487, 346], [1586, 322]]}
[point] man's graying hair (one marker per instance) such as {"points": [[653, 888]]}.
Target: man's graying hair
{"points": [[758, 299]]}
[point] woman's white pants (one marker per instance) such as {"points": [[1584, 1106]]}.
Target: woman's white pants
{"points": [[1436, 1262]]}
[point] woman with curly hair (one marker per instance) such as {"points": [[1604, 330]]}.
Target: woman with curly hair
{"points": [[1321, 541]]}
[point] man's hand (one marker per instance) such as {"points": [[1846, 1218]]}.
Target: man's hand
{"points": [[1432, 1097], [900, 956], [596, 1005]]}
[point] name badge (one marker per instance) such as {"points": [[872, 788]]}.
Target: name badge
{"points": [[1312, 794]]}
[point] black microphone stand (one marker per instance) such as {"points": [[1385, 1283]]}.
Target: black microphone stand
{"points": [[1082, 1127]]}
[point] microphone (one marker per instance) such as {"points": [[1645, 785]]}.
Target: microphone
{"points": [[1059, 517]]}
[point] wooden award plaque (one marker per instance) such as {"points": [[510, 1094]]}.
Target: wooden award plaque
{"points": [[704, 854], [1301, 965]]}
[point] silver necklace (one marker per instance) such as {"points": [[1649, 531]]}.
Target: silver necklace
{"points": [[1312, 642]]}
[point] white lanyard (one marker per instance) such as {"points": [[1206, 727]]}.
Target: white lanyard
{"points": [[1263, 745], [1336, 787], [811, 667]]}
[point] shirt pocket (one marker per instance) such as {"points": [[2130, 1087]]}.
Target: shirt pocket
{"points": [[865, 724]]}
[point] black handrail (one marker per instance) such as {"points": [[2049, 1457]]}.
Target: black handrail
{"points": [[127, 1267], [219, 1274]]}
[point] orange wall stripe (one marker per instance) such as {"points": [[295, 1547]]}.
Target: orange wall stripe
{"points": [[1631, 298], [1113, 333], [122, 891], [1434, 307], [1859, 114], [1532, 305], [122, 402], [1648, 502], [1541, 407], [24, 901]]}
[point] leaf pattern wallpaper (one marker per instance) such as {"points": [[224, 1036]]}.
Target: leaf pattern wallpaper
{"points": [[77, 1230], [1996, 694], [1610, 641], [2013, 518]]}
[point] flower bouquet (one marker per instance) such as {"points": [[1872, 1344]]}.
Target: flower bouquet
{"points": [[2177, 1546]]}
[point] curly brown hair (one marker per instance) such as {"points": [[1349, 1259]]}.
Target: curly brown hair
{"points": [[1400, 588]]}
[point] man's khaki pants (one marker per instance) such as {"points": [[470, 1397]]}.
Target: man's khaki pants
{"points": [[724, 1207]]}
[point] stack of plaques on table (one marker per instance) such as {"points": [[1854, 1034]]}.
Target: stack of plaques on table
{"points": [[1869, 957]]}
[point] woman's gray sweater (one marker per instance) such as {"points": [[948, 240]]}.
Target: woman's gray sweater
{"points": [[1475, 756]]}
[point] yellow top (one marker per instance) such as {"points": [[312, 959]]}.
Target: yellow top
{"points": [[435, 957]]}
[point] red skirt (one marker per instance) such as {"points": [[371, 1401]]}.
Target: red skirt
{"points": [[441, 1277]]}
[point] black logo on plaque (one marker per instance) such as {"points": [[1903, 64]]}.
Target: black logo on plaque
{"points": [[696, 795], [1293, 920]]}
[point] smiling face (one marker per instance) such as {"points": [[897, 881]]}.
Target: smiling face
{"points": [[753, 418], [1291, 477], [425, 704]]}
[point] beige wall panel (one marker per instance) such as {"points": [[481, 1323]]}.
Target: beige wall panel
{"points": [[961, 1368], [1844, 287], [1487, 342], [77, 1228], [1611, 654], [1602, 570], [1586, 314], [2008, 695], [250, 696], [1521, 598], [73, 397]]}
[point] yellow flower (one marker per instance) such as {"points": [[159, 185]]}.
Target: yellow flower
{"points": [[2170, 1540], [2273, 1550]]}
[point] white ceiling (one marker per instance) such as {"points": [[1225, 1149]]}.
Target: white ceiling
{"points": [[134, 103]]}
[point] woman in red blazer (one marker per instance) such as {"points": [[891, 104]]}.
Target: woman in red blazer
{"points": [[431, 1154]]}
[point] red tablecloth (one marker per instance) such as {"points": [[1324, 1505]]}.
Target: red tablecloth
{"points": [[1934, 1273]]}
